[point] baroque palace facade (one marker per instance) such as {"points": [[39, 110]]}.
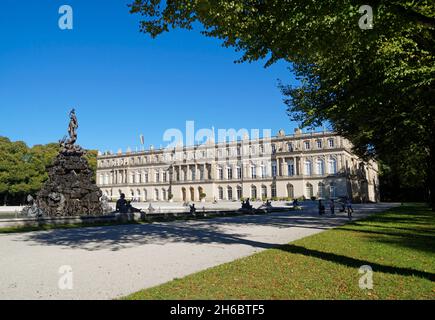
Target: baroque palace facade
{"points": [[302, 165]]}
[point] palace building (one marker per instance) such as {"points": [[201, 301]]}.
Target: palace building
{"points": [[303, 165]]}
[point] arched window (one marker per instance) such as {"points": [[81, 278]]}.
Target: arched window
{"points": [[290, 191], [322, 190], [332, 190], [239, 193], [263, 171], [273, 191], [320, 167], [291, 168], [221, 193], [157, 195], [220, 173], [254, 192], [309, 192], [164, 194], [230, 193], [308, 168], [332, 166], [263, 192], [253, 172]]}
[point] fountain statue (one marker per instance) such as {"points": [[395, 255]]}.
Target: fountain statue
{"points": [[70, 190]]}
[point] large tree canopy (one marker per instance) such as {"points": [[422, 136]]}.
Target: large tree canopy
{"points": [[375, 86]]}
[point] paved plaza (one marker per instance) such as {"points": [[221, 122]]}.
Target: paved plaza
{"points": [[111, 262]]}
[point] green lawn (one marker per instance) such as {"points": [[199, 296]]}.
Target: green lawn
{"points": [[399, 245]]}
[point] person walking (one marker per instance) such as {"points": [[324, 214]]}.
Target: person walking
{"points": [[349, 209], [332, 206], [321, 208]]}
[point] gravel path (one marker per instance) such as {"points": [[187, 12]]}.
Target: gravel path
{"points": [[111, 262]]}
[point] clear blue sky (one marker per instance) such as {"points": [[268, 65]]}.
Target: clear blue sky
{"points": [[121, 82]]}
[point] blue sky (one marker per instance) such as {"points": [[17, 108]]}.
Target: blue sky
{"points": [[121, 82]]}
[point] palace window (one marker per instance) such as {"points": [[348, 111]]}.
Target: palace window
{"points": [[291, 168], [263, 192], [322, 190], [332, 191], [239, 173], [319, 144], [230, 173], [307, 145], [273, 148], [193, 174], [220, 173], [332, 166], [263, 171], [274, 169], [290, 191], [157, 176], [309, 191], [290, 147], [254, 192], [230, 193], [320, 167], [308, 168], [273, 191], [254, 172], [331, 143], [221, 193], [239, 193]]}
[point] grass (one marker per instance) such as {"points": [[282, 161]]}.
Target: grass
{"points": [[398, 244]]}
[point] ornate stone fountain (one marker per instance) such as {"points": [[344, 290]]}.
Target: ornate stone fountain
{"points": [[69, 190]]}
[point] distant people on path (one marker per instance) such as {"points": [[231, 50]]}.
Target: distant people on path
{"points": [[349, 208], [192, 209], [122, 205], [332, 206], [295, 203], [246, 205], [322, 208]]}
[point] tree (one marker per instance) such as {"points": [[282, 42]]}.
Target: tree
{"points": [[374, 86]]}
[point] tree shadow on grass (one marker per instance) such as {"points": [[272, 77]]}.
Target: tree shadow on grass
{"points": [[406, 227], [356, 263]]}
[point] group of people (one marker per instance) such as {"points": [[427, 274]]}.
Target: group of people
{"points": [[246, 205], [346, 207]]}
